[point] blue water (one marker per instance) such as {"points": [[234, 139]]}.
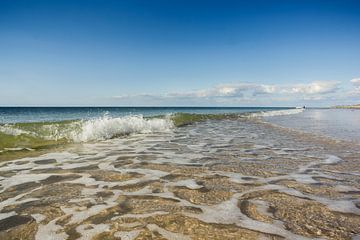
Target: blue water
{"points": [[40, 114]]}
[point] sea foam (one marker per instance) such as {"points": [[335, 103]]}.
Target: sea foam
{"points": [[108, 127], [101, 128], [277, 112]]}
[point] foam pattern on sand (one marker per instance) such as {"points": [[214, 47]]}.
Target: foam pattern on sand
{"points": [[219, 179]]}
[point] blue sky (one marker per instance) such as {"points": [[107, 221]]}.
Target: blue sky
{"points": [[203, 53]]}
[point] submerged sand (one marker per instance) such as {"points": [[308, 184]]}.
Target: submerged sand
{"points": [[228, 179]]}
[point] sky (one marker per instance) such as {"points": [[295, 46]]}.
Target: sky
{"points": [[179, 53]]}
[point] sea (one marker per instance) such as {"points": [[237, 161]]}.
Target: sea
{"points": [[179, 173]]}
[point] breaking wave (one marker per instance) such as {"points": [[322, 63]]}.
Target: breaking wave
{"points": [[43, 134], [107, 127], [31, 134]]}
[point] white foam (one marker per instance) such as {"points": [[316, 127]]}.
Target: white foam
{"points": [[189, 183], [38, 217], [107, 127], [127, 235], [23, 178], [332, 160], [277, 113], [17, 149], [102, 128], [10, 130], [228, 212], [140, 215], [6, 215], [50, 231], [78, 216]]}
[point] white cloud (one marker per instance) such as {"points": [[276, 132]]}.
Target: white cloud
{"points": [[239, 90], [268, 88], [225, 90], [318, 87], [242, 93], [313, 90], [355, 92], [355, 81]]}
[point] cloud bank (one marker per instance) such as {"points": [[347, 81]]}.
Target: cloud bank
{"points": [[243, 93], [355, 92]]}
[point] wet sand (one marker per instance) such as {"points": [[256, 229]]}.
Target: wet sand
{"points": [[228, 179]]}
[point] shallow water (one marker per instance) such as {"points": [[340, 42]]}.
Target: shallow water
{"points": [[218, 179], [337, 123], [31, 130]]}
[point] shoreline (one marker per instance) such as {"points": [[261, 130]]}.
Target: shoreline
{"points": [[224, 179]]}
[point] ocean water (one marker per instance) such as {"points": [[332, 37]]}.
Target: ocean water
{"points": [[341, 124], [34, 128], [219, 174], [40, 114]]}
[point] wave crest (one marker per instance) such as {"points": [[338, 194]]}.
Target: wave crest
{"points": [[107, 127], [277, 112], [36, 135]]}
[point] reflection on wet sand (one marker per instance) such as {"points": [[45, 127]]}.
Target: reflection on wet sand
{"points": [[232, 179]]}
